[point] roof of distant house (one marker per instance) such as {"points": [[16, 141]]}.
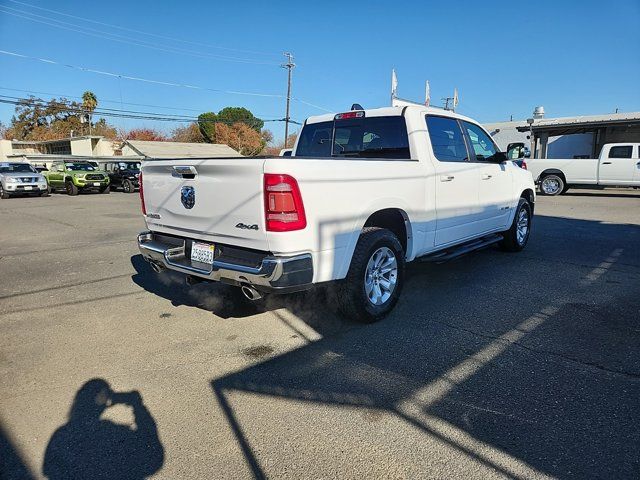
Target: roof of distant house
{"points": [[156, 149]]}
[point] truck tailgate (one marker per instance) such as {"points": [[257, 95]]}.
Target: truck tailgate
{"points": [[228, 206]]}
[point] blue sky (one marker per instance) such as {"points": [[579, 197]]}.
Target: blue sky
{"points": [[504, 57]]}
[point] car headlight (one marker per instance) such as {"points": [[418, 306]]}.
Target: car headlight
{"points": [[80, 176], [13, 180]]}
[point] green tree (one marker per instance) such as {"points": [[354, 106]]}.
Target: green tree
{"points": [[231, 115], [228, 116], [37, 119], [207, 124], [89, 104]]}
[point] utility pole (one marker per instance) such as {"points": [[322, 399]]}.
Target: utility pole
{"points": [[289, 66]]}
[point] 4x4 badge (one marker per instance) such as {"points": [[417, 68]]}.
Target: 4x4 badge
{"points": [[188, 197]]}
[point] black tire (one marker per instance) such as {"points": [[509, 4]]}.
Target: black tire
{"points": [[127, 187], [4, 195], [552, 185], [71, 189], [106, 189], [511, 241], [353, 301], [45, 193]]}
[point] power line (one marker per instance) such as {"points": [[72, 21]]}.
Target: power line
{"points": [[156, 82], [126, 40], [119, 27], [121, 113], [32, 92], [139, 79]]}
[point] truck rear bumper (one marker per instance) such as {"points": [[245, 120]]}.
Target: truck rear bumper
{"points": [[268, 273]]}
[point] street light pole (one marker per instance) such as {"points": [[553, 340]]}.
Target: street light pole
{"points": [[289, 66]]}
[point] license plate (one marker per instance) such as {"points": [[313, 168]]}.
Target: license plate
{"points": [[28, 188], [96, 184], [202, 252]]}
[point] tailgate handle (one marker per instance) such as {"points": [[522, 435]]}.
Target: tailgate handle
{"points": [[186, 171]]}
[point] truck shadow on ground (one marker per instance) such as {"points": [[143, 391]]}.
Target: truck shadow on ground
{"points": [[525, 365]]}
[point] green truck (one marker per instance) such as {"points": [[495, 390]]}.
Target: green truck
{"points": [[76, 177]]}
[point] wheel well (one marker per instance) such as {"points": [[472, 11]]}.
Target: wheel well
{"points": [[529, 196], [392, 219], [553, 171]]}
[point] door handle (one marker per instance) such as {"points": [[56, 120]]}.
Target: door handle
{"points": [[606, 163], [446, 178], [486, 176]]}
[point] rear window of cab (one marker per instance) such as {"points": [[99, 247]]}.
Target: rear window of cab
{"points": [[361, 137]]}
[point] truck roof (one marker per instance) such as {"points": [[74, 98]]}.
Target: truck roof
{"points": [[393, 111]]}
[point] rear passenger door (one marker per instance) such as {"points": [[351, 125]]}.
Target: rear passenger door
{"points": [[617, 166], [456, 181], [495, 186]]}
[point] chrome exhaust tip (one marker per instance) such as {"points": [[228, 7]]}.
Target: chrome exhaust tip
{"points": [[251, 293], [157, 267]]}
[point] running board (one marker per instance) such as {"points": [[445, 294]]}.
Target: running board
{"points": [[459, 250]]}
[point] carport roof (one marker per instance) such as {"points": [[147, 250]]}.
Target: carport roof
{"points": [[585, 122]]}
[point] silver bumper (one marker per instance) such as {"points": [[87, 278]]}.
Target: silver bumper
{"points": [[273, 274]]}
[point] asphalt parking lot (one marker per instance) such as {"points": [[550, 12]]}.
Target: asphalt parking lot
{"points": [[494, 365]]}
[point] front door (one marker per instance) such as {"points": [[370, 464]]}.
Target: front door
{"points": [[456, 182], [617, 165], [494, 180]]}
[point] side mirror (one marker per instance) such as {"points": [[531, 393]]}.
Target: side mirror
{"points": [[516, 150]]}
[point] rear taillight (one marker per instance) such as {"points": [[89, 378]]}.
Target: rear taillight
{"points": [[283, 208], [144, 209], [524, 164]]}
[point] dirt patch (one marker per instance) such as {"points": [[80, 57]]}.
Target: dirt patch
{"points": [[258, 351]]}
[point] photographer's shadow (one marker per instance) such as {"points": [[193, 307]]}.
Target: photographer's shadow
{"points": [[90, 447]]}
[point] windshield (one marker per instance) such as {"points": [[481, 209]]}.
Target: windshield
{"points": [[129, 165], [80, 167], [16, 168], [373, 137]]}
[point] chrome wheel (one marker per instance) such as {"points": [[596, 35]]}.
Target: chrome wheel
{"points": [[381, 276], [551, 185], [522, 226]]}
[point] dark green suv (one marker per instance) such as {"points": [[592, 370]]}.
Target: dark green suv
{"points": [[75, 177]]}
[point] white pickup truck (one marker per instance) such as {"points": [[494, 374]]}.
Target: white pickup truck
{"points": [[618, 165], [365, 192]]}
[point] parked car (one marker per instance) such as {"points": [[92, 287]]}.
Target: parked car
{"points": [[75, 177], [366, 192], [123, 175], [17, 178], [617, 166]]}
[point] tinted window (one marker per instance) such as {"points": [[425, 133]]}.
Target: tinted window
{"points": [[17, 168], [621, 152], [315, 140], [373, 137], [446, 139], [81, 167], [481, 143]]}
